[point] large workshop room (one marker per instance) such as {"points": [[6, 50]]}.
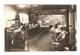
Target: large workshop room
{"points": [[36, 27]]}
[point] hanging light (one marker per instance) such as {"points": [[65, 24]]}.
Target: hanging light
{"points": [[63, 10]]}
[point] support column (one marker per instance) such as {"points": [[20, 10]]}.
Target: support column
{"points": [[71, 27]]}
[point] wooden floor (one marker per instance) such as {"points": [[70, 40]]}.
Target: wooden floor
{"points": [[40, 42]]}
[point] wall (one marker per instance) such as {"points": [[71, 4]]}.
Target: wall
{"points": [[9, 15], [52, 19]]}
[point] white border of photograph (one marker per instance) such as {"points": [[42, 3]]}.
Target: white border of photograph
{"points": [[57, 2]]}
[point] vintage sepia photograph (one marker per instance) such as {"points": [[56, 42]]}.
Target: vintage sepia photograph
{"points": [[37, 27]]}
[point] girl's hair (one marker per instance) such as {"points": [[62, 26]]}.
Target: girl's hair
{"points": [[56, 25]]}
